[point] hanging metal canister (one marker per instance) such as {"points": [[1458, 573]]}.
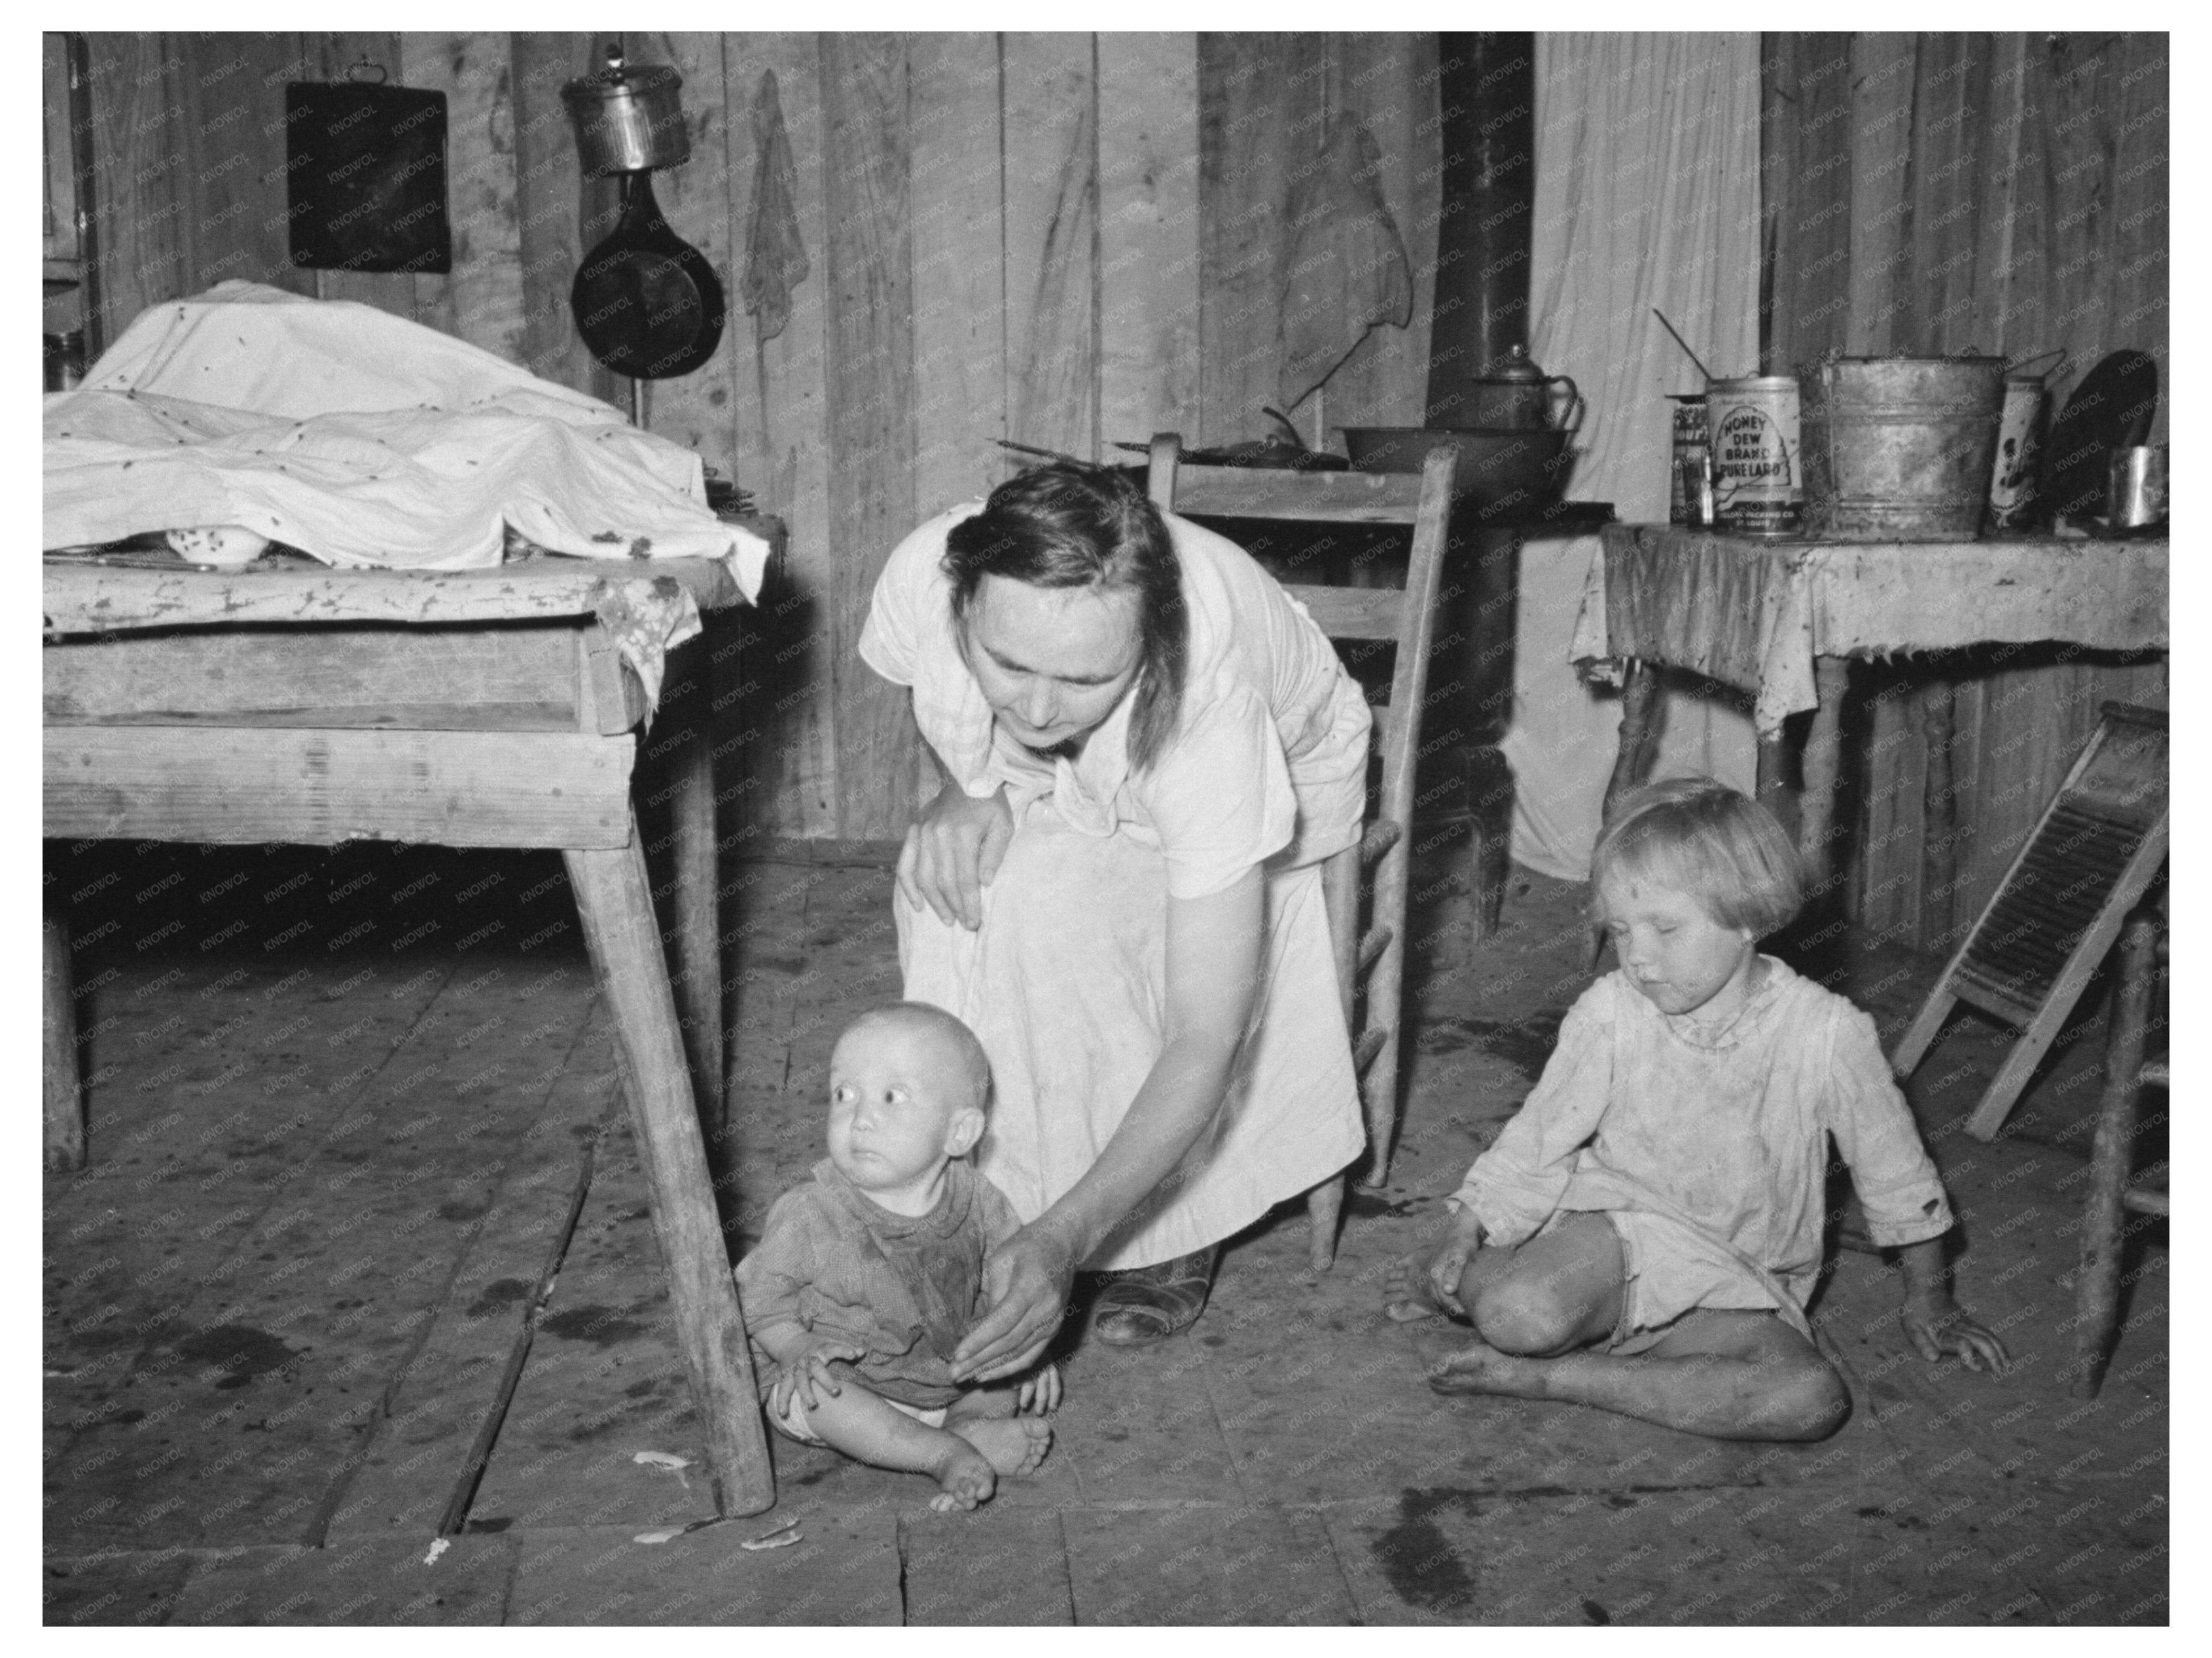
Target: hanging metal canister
{"points": [[1758, 483], [627, 118], [1685, 478]]}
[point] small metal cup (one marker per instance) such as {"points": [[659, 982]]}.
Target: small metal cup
{"points": [[2137, 493], [64, 361]]}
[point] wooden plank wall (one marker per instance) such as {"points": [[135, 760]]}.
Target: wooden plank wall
{"points": [[1063, 239], [2005, 193]]}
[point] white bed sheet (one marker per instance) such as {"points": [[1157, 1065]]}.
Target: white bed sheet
{"points": [[362, 439]]}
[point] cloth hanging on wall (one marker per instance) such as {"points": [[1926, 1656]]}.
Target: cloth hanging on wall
{"points": [[1647, 194], [1347, 273], [776, 257]]}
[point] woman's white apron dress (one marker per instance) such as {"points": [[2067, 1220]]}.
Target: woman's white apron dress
{"points": [[1065, 982]]}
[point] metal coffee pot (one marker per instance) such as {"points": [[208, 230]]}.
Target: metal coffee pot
{"points": [[1516, 395]]}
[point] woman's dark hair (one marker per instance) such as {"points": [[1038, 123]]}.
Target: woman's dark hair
{"points": [[1067, 525]]}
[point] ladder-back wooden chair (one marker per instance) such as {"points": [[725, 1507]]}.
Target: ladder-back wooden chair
{"points": [[2114, 1192], [1406, 618]]}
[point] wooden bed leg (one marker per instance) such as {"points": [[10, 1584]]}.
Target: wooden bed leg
{"points": [[64, 1094], [616, 902], [697, 881]]}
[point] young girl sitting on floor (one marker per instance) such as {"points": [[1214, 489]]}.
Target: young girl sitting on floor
{"points": [[1645, 1232]]}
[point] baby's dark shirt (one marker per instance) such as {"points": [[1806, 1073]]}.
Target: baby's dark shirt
{"points": [[905, 1287]]}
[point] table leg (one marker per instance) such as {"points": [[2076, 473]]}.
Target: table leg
{"points": [[697, 882], [1639, 702], [1772, 787], [616, 902], [1823, 762], [1938, 811], [64, 1094]]}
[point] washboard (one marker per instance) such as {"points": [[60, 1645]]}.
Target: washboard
{"points": [[2095, 850]]}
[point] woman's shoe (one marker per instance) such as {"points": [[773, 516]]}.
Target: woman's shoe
{"points": [[1148, 1304]]}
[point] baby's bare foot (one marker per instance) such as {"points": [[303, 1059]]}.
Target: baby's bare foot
{"points": [[1012, 1445], [1479, 1368], [1406, 1293], [964, 1477]]}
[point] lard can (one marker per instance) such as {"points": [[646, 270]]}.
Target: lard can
{"points": [[1690, 453], [2012, 477], [1759, 480]]}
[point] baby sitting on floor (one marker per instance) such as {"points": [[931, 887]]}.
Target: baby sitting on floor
{"points": [[867, 1276]]}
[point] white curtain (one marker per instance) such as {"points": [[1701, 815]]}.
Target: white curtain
{"points": [[1647, 194]]}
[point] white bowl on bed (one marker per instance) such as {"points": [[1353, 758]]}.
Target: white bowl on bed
{"points": [[222, 547]]}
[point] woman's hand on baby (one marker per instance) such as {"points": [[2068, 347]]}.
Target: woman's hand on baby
{"points": [[953, 852], [1039, 1394], [1027, 1279], [1936, 1327], [809, 1369]]}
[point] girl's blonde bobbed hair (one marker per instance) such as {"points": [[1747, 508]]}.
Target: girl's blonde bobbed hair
{"points": [[1709, 840]]}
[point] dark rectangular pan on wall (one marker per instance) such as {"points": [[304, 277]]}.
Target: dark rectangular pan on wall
{"points": [[367, 165]]}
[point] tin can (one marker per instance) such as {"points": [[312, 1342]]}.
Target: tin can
{"points": [[2137, 493], [1690, 452], [1759, 482], [64, 361], [2019, 429]]}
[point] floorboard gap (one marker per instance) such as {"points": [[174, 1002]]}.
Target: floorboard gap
{"points": [[465, 1488]]}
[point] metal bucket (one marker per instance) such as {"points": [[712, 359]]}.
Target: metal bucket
{"points": [[1751, 429], [627, 118], [1899, 448]]}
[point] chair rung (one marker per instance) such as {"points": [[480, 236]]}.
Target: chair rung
{"points": [[2144, 1201], [1373, 942], [1364, 1050], [2152, 1075], [1381, 835]]}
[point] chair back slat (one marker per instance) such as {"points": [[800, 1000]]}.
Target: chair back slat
{"points": [[1353, 613], [1324, 498]]}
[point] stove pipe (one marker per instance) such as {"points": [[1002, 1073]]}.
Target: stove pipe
{"points": [[1486, 92]]}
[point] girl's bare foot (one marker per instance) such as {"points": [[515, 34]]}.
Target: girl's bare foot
{"points": [[1406, 1294], [1479, 1368], [1012, 1445]]}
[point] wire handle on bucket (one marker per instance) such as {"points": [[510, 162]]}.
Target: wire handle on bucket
{"points": [[2018, 364]]}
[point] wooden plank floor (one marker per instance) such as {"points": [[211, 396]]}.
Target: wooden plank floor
{"points": [[332, 1152]]}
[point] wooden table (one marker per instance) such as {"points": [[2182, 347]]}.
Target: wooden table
{"points": [[1782, 620], [493, 708]]}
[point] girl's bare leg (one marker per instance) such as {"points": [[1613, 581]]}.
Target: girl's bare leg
{"points": [[1559, 1291], [1727, 1374], [1724, 1373]]}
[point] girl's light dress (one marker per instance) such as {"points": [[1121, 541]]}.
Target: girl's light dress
{"points": [[1710, 1153], [1065, 982]]}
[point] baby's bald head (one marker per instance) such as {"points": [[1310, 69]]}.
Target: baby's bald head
{"points": [[930, 1039]]}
